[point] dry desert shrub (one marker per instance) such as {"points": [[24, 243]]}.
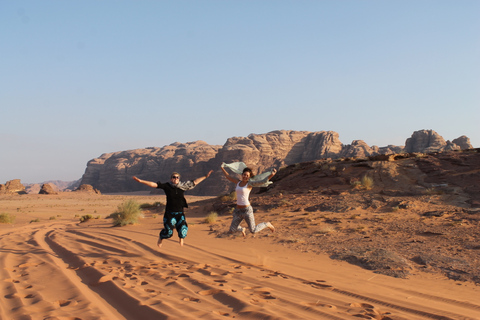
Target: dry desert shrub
{"points": [[366, 182], [88, 217], [325, 230], [229, 197], [7, 218], [211, 218], [128, 212], [151, 205]]}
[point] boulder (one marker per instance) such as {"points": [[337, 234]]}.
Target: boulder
{"points": [[48, 188], [87, 189]]}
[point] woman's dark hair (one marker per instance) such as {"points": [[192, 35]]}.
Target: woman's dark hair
{"points": [[249, 170]]}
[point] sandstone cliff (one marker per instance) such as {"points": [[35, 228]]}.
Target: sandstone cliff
{"points": [[113, 172]]}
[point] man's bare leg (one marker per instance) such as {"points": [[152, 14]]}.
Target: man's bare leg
{"points": [[159, 242], [181, 241]]}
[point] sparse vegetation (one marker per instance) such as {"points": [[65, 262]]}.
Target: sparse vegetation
{"points": [[229, 197], [35, 220], [211, 218], [433, 191], [86, 217], [366, 182], [7, 218], [127, 213], [151, 205], [325, 230], [285, 202]]}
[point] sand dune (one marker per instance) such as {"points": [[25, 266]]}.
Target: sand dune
{"points": [[63, 269]]}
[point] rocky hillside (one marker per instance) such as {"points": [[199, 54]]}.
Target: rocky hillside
{"points": [[416, 212], [113, 172]]}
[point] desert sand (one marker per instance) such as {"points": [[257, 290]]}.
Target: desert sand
{"points": [[55, 267]]}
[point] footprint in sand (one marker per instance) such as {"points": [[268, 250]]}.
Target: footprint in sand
{"points": [[221, 281], [361, 305], [209, 292], [64, 303], [264, 293], [318, 285], [319, 304], [191, 299]]}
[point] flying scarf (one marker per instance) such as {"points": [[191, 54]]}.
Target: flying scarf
{"points": [[260, 180]]}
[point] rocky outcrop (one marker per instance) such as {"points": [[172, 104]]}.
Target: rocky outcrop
{"points": [[48, 188], [12, 186], [463, 142], [59, 185], [87, 189], [426, 141], [113, 172]]}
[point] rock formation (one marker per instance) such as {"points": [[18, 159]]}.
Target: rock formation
{"points": [[87, 189], [12, 186], [113, 172], [429, 141], [48, 188]]}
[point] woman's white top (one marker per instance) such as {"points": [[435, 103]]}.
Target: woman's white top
{"points": [[242, 194]]}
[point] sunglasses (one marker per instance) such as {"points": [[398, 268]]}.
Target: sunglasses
{"points": [[175, 177]]}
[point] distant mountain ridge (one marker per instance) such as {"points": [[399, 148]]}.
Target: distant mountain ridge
{"points": [[113, 172], [57, 185]]}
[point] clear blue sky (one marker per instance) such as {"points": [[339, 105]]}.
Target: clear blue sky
{"points": [[83, 78]]}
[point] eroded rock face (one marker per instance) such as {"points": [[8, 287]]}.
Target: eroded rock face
{"points": [[463, 142], [48, 188], [426, 141], [113, 172], [87, 189], [12, 186]]}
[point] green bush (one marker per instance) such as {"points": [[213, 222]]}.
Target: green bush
{"points": [[128, 212], [6, 218]]}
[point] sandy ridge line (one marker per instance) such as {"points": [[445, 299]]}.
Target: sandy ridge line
{"points": [[42, 237], [463, 304], [426, 313], [221, 295], [432, 314], [114, 298], [10, 293], [224, 298]]}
